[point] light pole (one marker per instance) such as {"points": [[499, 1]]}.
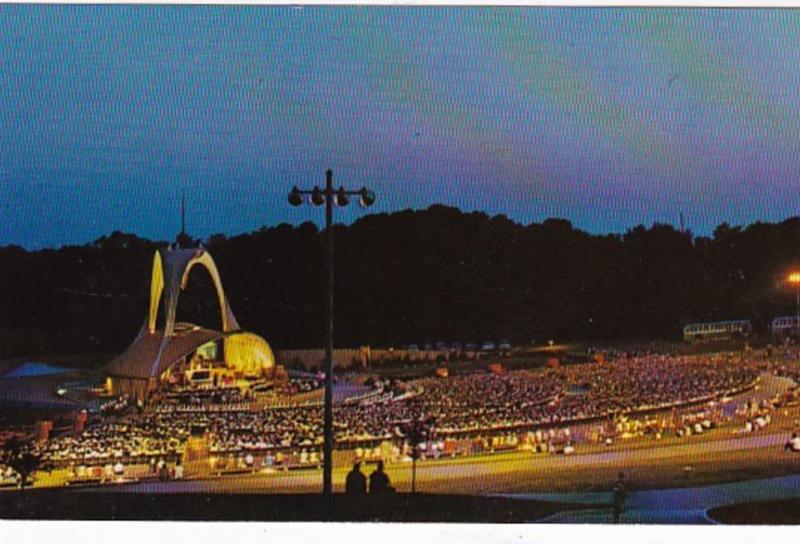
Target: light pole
{"points": [[794, 279], [329, 196]]}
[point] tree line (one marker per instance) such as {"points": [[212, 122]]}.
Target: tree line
{"points": [[438, 274]]}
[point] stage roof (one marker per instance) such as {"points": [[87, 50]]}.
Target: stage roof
{"points": [[37, 392], [147, 358], [32, 368]]}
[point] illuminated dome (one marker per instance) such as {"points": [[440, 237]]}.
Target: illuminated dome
{"points": [[248, 354]]}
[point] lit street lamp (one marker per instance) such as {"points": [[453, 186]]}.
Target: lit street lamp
{"points": [[794, 279], [329, 196]]}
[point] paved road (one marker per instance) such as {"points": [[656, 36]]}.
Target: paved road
{"points": [[670, 506], [447, 473], [686, 505], [663, 506]]}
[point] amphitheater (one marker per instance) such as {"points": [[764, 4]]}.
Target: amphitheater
{"points": [[185, 401]]}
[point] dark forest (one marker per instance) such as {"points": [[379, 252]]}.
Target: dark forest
{"points": [[411, 277]]}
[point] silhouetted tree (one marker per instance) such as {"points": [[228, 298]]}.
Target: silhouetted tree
{"points": [[20, 459], [410, 277]]}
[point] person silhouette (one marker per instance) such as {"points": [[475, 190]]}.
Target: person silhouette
{"points": [[379, 481], [619, 497], [356, 482]]}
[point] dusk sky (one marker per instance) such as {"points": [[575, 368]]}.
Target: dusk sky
{"points": [[606, 117]]}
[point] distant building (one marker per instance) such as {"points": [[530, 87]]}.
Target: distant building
{"points": [[785, 326], [717, 330]]}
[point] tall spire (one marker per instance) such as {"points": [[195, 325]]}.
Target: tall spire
{"points": [[183, 240], [183, 213]]}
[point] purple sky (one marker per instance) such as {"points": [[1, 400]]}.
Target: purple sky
{"points": [[606, 117]]}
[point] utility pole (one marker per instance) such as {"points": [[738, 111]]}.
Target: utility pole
{"points": [[341, 197]]}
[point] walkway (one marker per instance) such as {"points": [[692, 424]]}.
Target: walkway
{"points": [[669, 506]]}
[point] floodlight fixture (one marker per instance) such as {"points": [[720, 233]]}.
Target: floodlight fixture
{"points": [[329, 197], [342, 199], [317, 197], [295, 198], [367, 198]]}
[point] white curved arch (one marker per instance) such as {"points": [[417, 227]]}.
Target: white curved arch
{"points": [[156, 288], [170, 276], [205, 259]]}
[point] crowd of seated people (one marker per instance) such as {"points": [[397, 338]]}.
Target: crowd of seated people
{"points": [[114, 441], [698, 422], [295, 387], [462, 407], [650, 382], [8, 477], [687, 422], [757, 415]]}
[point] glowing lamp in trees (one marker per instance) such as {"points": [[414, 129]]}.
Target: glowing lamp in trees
{"points": [[794, 280]]}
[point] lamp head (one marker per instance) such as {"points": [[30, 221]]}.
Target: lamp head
{"points": [[341, 198], [295, 198], [317, 198], [367, 198], [794, 278]]}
